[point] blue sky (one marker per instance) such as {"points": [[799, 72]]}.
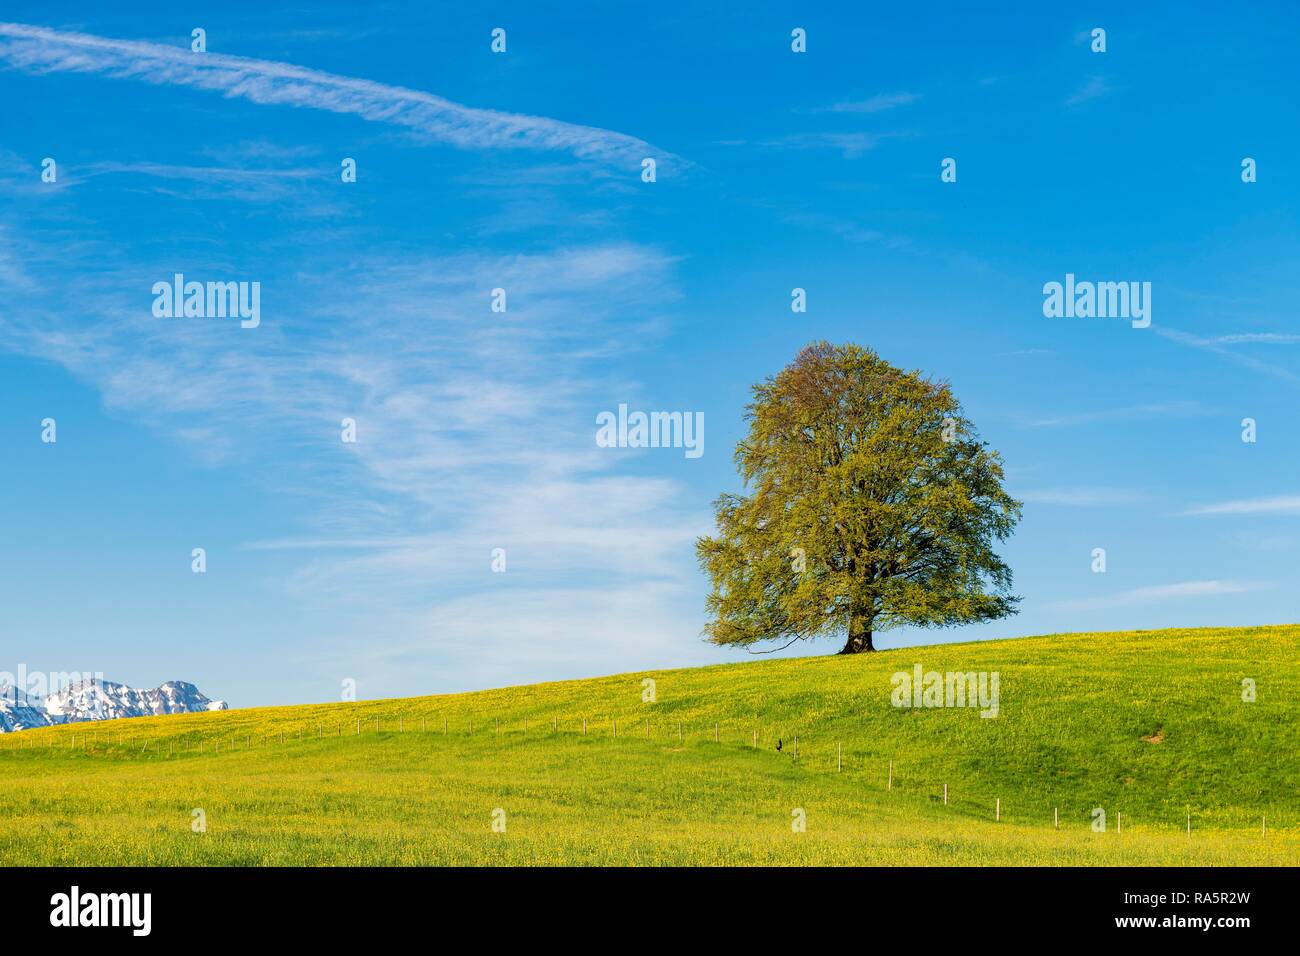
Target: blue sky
{"points": [[372, 561]]}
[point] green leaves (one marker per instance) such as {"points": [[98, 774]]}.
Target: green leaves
{"points": [[873, 503]]}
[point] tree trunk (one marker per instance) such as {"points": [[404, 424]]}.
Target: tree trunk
{"points": [[859, 634]]}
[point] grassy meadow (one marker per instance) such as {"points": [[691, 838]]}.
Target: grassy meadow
{"points": [[1149, 724]]}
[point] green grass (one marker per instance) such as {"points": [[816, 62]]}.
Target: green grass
{"points": [[298, 785]]}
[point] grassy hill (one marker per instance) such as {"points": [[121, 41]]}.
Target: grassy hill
{"points": [[1150, 725]]}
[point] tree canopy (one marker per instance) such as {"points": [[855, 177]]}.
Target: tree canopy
{"points": [[873, 503]]}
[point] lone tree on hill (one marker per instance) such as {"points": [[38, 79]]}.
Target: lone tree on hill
{"points": [[874, 504]]}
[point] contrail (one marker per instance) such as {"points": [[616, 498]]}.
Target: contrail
{"points": [[41, 50]]}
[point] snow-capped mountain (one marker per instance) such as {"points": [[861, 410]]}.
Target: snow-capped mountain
{"points": [[99, 700], [19, 712]]}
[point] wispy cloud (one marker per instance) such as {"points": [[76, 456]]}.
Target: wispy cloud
{"points": [[1254, 338], [1221, 345], [1182, 409], [472, 434], [851, 145], [874, 104], [1094, 88], [1234, 338], [846, 229], [1155, 594], [1279, 505], [39, 50], [499, 640], [202, 173], [235, 182], [1082, 497], [13, 274]]}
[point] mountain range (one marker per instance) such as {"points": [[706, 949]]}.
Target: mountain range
{"points": [[99, 700]]}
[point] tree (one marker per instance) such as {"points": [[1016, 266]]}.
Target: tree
{"points": [[874, 504]]}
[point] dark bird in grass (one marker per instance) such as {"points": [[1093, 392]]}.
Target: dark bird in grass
{"points": [[778, 744]]}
